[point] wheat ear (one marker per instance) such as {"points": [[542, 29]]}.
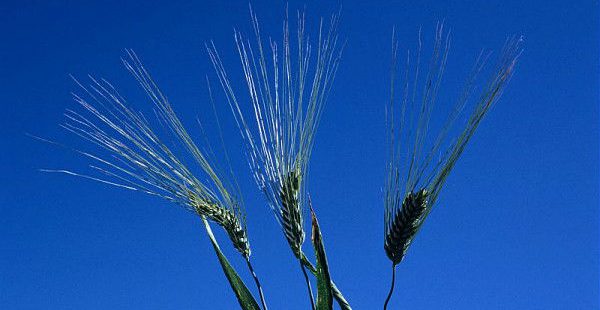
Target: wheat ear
{"points": [[226, 219], [404, 225], [414, 180], [287, 96], [291, 213], [135, 158]]}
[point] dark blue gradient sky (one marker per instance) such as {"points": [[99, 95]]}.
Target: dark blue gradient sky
{"points": [[516, 226]]}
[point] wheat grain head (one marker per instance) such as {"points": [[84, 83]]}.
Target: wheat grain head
{"points": [[414, 179], [286, 113], [136, 158]]}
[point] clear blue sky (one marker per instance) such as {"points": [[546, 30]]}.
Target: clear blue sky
{"points": [[516, 226]]}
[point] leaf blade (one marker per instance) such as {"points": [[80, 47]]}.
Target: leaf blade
{"points": [[324, 289], [244, 297]]}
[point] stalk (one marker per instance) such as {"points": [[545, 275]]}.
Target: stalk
{"points": [[389, 296], [257, 282], [310, 293]]}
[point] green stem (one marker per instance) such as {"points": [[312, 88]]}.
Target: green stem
{"points": [[387, 300], [310, 293], [258, 286]]}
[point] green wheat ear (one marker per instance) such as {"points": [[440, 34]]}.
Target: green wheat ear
{"points": [[404, 225], [136, 158], [287, 92], [414, 180], [291, 213]]}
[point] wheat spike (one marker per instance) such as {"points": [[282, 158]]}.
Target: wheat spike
{"points": [[291, 214], [412, 171], [286, 112], [228, 220], [404, 224], [414, 179], [287, 92], [136, 158]]}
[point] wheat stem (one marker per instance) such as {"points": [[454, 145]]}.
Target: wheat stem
{"points": [[310, 293], [389, 296], [258, 286]]}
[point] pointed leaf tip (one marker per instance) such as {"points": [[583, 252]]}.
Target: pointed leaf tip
{"points": [[324, 290]]}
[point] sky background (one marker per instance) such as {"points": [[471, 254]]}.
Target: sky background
{"points": [[516, 226]]}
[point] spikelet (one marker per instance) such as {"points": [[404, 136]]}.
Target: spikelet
{"points": [[291, 214]]}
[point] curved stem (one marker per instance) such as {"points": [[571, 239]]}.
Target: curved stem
{"points": [[391, 287], [258, 286], [310, 293]]}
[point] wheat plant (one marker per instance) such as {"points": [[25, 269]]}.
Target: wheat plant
{"points": [[418, 166], [288, 84], [136, 158], [287, 90]]}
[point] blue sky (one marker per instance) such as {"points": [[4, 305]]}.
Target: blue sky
{"points": [[516, 226]]}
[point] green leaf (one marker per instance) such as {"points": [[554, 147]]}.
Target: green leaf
{"points": [[244, 297], [324, 290], [337, 294]]}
